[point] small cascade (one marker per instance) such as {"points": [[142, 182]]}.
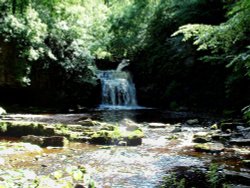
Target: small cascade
{"points": [[118, 89]]}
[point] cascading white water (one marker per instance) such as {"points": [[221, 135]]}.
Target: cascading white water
{"points": [[118, 89]]}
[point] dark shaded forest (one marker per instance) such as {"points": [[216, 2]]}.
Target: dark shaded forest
{"points": [[184, 55]]}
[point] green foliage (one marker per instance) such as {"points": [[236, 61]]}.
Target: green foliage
{"points": [[129, 21], [67, 33], [212, 176], [226, 43], [27, 32], [66, 37], [172, 182], [226, 37]]}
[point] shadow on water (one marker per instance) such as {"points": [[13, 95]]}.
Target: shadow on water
{"points": [[140, 115]]}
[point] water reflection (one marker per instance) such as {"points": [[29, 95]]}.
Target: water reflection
{"points": [[138, 115]]}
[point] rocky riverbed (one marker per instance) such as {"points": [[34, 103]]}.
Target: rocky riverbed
{"points": [[186, 147]]}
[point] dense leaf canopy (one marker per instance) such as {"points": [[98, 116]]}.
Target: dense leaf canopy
{"points": [[167, 40]]}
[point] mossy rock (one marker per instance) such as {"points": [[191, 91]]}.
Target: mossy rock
{"points": [[201, 137], [19, 128], [106, 137], [209, 147]]}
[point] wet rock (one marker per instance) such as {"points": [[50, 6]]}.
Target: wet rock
{"points": [[240, 142], [157, 125], [133, 141], [209, 147], [20, 128], [2, 111], [237, 177], [230, 125], [192, 121], [201, 137], [201, 140], [245, 132], [55, 141], [105, 137]]}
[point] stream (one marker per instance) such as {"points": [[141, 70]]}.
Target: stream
{"points": [[162, 151]]}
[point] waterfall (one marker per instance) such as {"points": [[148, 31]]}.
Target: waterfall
{"points": [[118, 89]]}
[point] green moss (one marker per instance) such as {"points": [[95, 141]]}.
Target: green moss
{"points": [[3, 127], [201, 147], [135, 134], [114, 137]]}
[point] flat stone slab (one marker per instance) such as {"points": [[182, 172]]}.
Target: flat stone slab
{"points": [[240, 142], [209, 147]]}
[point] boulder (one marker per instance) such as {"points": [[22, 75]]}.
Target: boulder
{"points": [[209, 147], [102, 137], [54, 141], [2, 111], [201, 137]]}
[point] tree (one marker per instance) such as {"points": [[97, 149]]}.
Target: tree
{"points": [[227, 43]]}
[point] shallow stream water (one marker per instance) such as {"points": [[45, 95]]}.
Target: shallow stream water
{"points": [[119, 166]]}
